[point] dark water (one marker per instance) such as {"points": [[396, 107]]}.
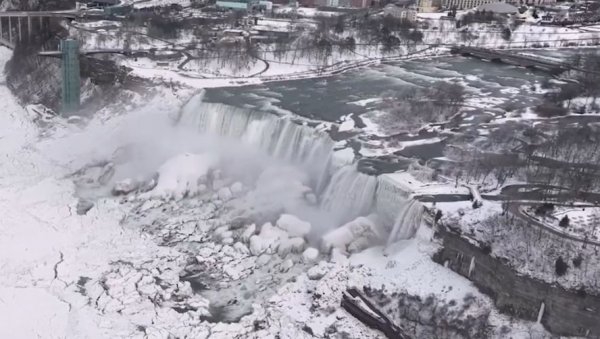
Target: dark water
{"points": [[331, 98], [492, 89]]}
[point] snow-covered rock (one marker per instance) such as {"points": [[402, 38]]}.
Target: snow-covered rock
{"points": [[286, 265], [268, 231], [240, 247], [125, 186], [343, 236], [83, 206], [291, 245], [263, 259], [293, 225], [225, 194], [257, 245], [338, 257], [248, 232], [318, 271], [310, 255]]}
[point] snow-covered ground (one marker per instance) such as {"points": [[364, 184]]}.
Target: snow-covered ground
{"points": [[173, 257]]}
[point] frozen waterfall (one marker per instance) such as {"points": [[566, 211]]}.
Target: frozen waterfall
{"points": [[397, 210], [349, 194], [407, 222], [280, 137]]}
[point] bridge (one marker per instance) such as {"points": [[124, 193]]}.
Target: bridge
{"points": [[127, 52], [512, 59], [17, 26]]}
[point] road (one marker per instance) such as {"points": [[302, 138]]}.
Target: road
{"points": [[515, 208]]}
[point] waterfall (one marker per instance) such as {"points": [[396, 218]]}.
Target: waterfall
{"points": [[280, 137], [407, 222], [389, 198], [343, 196], [350, 194]]}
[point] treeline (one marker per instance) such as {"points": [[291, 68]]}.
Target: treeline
{"points": [[583, 82], [415, 107], [568, 157]]}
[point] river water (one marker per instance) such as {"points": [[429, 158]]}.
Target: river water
{"points": [[492, 89]]}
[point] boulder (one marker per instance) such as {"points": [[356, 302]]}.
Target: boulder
{"points": [[125, 186], [83, 206], [344, 235], [310, 255]]}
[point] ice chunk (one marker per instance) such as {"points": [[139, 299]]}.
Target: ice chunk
{"points": [[293, 225]]}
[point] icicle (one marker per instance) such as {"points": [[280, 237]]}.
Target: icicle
{"points": [[471, 265], [541, 313]]}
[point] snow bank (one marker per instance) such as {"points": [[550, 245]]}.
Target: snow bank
{"points": [[32, 313]]}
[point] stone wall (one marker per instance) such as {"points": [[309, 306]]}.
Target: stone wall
{"points": [[572, 313]]}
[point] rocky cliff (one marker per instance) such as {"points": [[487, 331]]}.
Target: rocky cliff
{"points": [[566, 312]]}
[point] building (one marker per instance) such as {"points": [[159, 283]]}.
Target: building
{"points": [[101, 3], [408, 13], [343, 3], [498, 8], [241, 5], [428, 6], [465, 4]]}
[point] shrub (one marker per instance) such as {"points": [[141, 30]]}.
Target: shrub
{"points": [[578, 260], [564, 222], [560, 266], [548, 110]]}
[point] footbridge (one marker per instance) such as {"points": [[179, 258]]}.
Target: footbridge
{"points": [[512, 58]]}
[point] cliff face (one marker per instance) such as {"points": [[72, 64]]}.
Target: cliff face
{"points": [[569, 313], [35, 79]]}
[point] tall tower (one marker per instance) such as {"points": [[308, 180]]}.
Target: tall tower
{"points": [[70, 75]]}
